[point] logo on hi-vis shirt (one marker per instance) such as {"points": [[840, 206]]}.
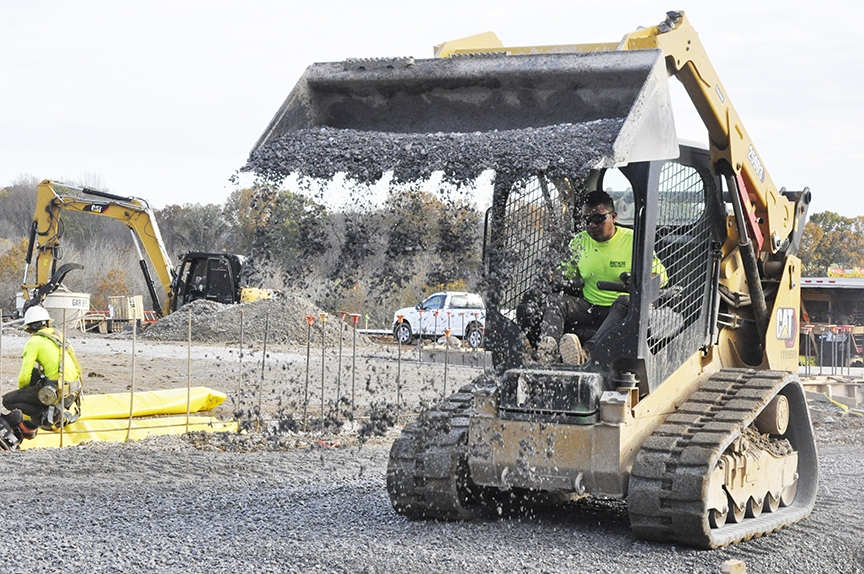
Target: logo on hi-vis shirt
{"points": [[787, 326]]}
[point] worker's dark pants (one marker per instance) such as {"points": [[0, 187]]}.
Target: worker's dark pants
{"points": [[568, 314], [27, 400]]}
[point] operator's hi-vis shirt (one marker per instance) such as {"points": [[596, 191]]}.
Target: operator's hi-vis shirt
{"points": [[595, 261]]}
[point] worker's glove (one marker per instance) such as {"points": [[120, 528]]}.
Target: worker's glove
{"points": [[625, 279], [573, 287]]}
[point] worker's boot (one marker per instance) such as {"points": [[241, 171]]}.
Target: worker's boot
{"points": [[547, 350], [572, 351]]}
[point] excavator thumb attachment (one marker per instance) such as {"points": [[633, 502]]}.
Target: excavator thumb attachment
{"points": [[494, 92], [45, 290]]}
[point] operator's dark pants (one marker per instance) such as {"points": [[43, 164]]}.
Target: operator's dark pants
{"points": [[568, 314]]}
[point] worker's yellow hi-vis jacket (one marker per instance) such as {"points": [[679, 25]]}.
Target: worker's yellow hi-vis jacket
{"points": [[43, 347]]}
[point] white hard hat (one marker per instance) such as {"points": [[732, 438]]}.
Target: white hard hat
{"points": [[36, 314]]}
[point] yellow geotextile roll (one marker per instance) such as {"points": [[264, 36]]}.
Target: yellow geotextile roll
{"points": [[149, 403], [115, 430]]}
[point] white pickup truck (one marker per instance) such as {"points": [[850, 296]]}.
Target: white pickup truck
{"points": [[463, 313]]}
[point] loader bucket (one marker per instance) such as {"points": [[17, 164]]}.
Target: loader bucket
{"points": [[469, 94]]}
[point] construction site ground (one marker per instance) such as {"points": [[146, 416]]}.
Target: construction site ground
{"points": [[315, 501]]}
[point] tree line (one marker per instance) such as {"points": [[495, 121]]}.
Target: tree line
{"points": [[361, 259]]}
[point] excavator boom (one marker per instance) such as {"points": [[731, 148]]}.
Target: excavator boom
{"points": [[52, 198]]}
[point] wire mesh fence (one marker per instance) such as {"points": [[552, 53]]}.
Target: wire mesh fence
{"points": [[324, 385]]}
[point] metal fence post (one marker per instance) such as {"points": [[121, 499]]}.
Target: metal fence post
{"points": [[309, 320], [188, 367], [132, 385], [323, 342], [339, 368], [446, 360], [356, 317]]}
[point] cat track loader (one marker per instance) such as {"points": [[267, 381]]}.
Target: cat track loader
{"points": [[690, 408]]}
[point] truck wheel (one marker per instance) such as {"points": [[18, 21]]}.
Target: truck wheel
{"points": [[474, 336], [402, 333]]}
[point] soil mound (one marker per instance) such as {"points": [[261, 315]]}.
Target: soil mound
{"points": [[282, 318]]}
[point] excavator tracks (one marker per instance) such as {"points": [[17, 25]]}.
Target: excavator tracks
{"points": [[427, 475], [669, 482]]}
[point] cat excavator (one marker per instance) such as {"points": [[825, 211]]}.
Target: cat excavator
{"points": [[211, 276], [690, 407]]}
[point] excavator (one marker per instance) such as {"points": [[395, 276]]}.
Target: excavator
{"points": [[690, 407], [211, 276]]}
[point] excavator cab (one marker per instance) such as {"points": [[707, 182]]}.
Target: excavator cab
{"points": [[210, 276]]}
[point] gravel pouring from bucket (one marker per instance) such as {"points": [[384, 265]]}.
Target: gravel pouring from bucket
{"points": [[490, 93]]}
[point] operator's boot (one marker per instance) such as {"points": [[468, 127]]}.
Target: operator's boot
{"points": [[547, 350], [572, 351]]}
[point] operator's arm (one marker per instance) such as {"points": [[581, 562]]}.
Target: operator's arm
{"points": [[657, 268]]}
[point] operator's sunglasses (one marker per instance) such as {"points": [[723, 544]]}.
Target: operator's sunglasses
{"points": [[596, 218]]}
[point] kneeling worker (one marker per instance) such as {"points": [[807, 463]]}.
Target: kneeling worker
{"points": [[38, 395]]}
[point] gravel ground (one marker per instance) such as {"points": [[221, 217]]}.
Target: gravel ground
{"points": [[309, 502], [314, 502], [165, 505]]}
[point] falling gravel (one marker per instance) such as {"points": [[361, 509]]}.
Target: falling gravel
{"points": [[561, 150]]}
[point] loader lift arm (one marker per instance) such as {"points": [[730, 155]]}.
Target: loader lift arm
{"points": [[768, 221], [771, 214]]}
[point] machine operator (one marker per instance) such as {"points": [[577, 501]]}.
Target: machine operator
{"points": [[600, 253]]}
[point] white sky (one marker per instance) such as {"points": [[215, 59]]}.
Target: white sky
{"points": [[164, 99]]}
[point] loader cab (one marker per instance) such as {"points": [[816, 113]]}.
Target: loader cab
{"points": [[674, 208], [210, 276]]}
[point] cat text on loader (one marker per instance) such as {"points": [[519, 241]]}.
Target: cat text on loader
{"points": [[690, 407], [211, 276]]}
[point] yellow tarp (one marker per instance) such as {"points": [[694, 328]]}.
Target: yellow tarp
{"points": [[105, 418], [149, 403], [115, 430]]}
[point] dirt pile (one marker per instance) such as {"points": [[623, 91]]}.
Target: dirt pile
{"points": [[282, 318]]}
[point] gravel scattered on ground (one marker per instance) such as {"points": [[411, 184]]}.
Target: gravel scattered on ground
{"points": [[180, 504]]}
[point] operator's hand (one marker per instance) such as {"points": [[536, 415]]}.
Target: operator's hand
{"points": [[625, 279], [573, 287]]}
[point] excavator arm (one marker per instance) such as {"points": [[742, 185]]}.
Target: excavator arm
{"points": [[47, 229]]}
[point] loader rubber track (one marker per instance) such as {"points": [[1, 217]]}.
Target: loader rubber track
{"points": [[669, 480], [427, 474]]}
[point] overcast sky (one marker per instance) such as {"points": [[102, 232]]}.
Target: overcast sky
{"points": [[164, 99]]}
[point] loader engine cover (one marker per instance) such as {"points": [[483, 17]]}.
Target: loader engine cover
{"points": [[555, 395]]}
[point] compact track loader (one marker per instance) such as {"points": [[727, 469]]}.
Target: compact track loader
{"points": [[690, 407]]}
